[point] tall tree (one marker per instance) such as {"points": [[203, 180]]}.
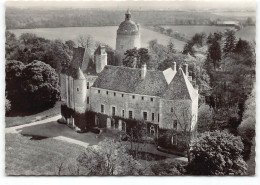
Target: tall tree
{"points": [[135, 58], [217, 153], [214, 53], [230, 42]]}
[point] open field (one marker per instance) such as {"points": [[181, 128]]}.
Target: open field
{"points": [[25, 156], [247, 33], [105, 35], [11, 121]]}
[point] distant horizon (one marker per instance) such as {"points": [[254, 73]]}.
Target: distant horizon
{"points": [[137, 5]]}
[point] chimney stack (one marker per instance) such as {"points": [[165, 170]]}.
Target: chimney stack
{"points": [[143, 71], [186, 72], [174, 66]]}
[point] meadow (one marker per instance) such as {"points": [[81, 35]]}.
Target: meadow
{"points": [[105, 35]]}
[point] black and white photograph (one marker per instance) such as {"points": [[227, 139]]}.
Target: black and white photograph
{"points": [[130, 88]]}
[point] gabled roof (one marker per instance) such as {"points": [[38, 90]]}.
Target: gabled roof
{"points": [[81, 59], [169, 74], [78, 56], [125, 79], [100, 50], [180, 88]]}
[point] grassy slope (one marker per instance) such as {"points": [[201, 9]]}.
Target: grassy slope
{"points": [[20, 120], [37, 157]]}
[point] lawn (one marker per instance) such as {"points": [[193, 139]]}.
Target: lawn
{"points": [[24, 156], [15, 120]]}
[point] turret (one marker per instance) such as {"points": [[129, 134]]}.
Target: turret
{"points": [[127, 15], [100, 57], [79, 91]]}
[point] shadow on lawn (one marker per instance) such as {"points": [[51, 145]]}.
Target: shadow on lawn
{"points": [[35, 137], [53, 129]]}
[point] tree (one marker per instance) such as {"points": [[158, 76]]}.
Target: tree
{"points": [[205, 118], [13, 71], [135, 58], [214, 53], [171, 47], [217, 153], [188, 48], [168, 168], [71, 44], [109, 157], [40, 85], [198, 38], [230, 42], [247, 127], [85, 41]]}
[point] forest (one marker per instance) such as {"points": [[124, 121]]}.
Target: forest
{"points": [[42, 18]]}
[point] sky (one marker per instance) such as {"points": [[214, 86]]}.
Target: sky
{"points": [[140, 5]]}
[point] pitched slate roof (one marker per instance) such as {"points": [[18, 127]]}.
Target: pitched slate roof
{"points": [[180, 88], [124, 79], [78, 56], [81, 59]]}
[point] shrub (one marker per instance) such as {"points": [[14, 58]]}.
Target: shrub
{"points": [[169, 167], [40, 85], [217, 153]]}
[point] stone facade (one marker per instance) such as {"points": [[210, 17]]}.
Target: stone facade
{"points": [[128, 37], [166, 99]]}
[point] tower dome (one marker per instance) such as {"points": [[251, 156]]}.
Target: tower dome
{"points": [[128, 37], [128, 26]]}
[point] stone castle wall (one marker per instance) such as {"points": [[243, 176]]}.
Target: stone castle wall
{"points": [[126, 103], [125, 42], [171, 111]]}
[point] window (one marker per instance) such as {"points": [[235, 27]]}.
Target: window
{"points": [[174, 140], [113, 111], [107, 92], [152, 116], [130, 114], [171, 109], [133, 96], [87, 100], [175, 124], [158, 118], [151, 99], [77, 89], [114, 94], [122, 95], [142, 98], [98, 91], [123, 113], [87, 85], [145, 115], [102, 108]]}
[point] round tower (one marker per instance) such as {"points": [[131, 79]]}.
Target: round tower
{"points": [[79, 89], [100, 58], [128, 37]]}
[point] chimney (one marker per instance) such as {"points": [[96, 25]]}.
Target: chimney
{"points": [[174, 66], [186, 72], [143, 71]]}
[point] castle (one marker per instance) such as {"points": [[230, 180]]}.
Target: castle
{"points": [[166, 99]]}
